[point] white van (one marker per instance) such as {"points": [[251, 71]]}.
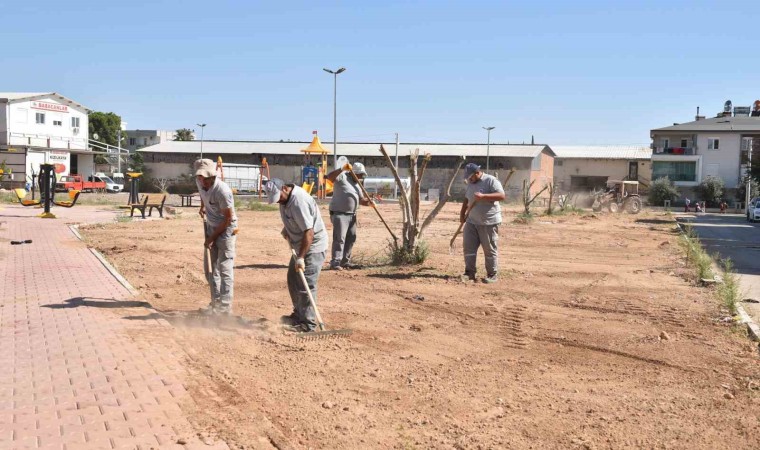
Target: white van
{"points": [[111, 185]]}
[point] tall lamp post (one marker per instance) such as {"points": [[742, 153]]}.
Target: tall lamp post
{"points": [[488, 148], [335, 109], [202, 125]]}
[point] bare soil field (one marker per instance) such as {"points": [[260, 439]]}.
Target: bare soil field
{"points": [[594, 337]]}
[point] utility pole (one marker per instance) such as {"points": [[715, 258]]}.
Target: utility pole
{"points": [[118, 148], [395, 191], [748, 194], [203, 126], [335, 110], [488, 148]]}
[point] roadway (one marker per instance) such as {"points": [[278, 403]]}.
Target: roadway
{"points": [[731, 236]]}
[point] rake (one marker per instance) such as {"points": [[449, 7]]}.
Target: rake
{"points": [[322, 332]]}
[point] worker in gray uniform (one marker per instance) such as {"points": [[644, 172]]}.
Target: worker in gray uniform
{"points": [[305, 232], [347, 196], [220, 229], [482, 224]]}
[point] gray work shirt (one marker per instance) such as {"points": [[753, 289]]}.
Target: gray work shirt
{"points": [[299, 214], [346, 194], [484, 212], [216, 199]]}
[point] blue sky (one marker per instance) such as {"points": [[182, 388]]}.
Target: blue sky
{"points": [[568, 72]]}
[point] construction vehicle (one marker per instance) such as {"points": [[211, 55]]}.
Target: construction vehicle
{"points": [[77, 183], [619, 196]]}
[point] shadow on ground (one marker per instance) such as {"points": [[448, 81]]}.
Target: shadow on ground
{"points": [[76, 302]]}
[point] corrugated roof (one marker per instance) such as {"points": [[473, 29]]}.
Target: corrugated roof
{"points": [[717, 124], [6, 97], [347, 149], [603, 151]]}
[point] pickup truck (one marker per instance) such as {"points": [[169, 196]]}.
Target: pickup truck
{"points": [[76, 182]]}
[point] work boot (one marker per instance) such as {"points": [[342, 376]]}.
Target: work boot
{"points": [[297, 328], [223, 311], [210, 310], [466, 278], [336, 267], [491, 279], [290, 319], [352, 266]]}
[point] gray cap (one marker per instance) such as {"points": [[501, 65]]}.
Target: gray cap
{"points": [[470, 169], [273, 188]]}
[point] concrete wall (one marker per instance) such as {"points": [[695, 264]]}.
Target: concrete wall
{"points": [[614, 169], [288, 167]]}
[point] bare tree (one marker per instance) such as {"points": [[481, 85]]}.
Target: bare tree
{"points": [[552, 189], [162, 184], [527, 199], [414, 226]]}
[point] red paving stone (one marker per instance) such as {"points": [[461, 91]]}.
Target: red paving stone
{"points": [[70, 374]]}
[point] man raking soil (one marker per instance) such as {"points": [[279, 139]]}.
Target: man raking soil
{"points": [[220, 229]]}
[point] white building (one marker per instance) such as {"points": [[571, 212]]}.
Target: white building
{"points": [[137, 139], [43, 127], [689, 152]]}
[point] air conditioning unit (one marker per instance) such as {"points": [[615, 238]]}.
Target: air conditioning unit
{"points": [[75, 130]]}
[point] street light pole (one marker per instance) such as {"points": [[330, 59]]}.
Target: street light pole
{"points": [[202, 125], [488, 148], [748, 194], [335, 110]]}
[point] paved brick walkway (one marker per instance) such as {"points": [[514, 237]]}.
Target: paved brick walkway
{"points": [[71, 375]]}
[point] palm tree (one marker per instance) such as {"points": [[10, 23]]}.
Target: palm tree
{"points": [[184, 134]]}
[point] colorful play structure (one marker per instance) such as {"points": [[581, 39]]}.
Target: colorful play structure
{"points": [[46, 182], [316, 176]]}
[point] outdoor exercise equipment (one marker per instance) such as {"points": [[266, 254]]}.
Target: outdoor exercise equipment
{"points": [[134, 187], [46, 182]]}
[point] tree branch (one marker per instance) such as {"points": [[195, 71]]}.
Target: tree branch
{"points": [[430, 217]]}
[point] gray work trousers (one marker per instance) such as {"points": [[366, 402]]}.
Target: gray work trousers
{"points": [[486, 236], [298, 295], [344, 237], [222, 277]]}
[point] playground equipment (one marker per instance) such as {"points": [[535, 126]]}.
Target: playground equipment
{"points": [[324, 186], [46, 183]]}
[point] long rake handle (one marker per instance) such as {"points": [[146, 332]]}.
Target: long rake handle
{"points": [[461, 224], [366, 194], [308, 291]]}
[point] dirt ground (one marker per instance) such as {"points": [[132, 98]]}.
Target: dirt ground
{"points": [[594, 337]]}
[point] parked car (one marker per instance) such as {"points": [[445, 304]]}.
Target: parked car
{"points": [[753, 210], [111, 185]]}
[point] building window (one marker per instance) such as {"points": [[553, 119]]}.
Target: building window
{"points": [[132, 141], [675, 170], [559, 163], [40, 118], [713, 144], [75, 122], [57, 123], [684, 143], [746, 144], [145, 141], [665, 143]]}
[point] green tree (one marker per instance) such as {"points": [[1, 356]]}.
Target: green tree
{"points": [[106, 127], [136, 162], [184, 134], [662, 189], [711, 189]]}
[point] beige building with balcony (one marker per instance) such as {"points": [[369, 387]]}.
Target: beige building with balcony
{"points": [[687, 153]]}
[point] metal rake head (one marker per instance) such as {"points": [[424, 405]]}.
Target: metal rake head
{"points": [[326, 334]]}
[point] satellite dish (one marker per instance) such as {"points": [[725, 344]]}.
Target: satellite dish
{"points": [[95, 136], [727, 106]]}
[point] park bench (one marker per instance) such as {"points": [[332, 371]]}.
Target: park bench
{"points": [[149, 201]]}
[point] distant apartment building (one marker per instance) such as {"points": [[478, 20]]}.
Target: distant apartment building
{"points": [[137, 139], [42, 127], [689, 152]]}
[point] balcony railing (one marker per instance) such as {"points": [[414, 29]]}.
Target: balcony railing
{"points": [[674, 150]]}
